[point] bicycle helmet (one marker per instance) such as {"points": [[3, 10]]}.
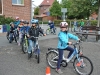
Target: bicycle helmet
{"points": [[11, 23], [34, 21], [63, 24], [26, 22], [17, 17], [22, 21]]}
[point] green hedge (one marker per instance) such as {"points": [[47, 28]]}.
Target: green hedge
{"points": [[57, 22], [44, 22], [93, 22], [5, 20]]}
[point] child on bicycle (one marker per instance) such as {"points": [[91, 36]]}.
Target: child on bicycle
{"points": [[51, 25], [63, 38], [20, 26], [23, 31], [33, 31], [11, 32]]}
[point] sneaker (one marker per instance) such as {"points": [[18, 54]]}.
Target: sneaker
{"points": [[59, 71], [18, 44], [29, 55], [67, 60]]}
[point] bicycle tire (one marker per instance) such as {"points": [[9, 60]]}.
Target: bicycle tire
{"points": [[38, 58], [55, 31], [47, 59], [24, 47], [47, 31], [82, 66]]}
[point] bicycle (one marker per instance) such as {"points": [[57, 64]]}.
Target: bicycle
{"points": [[51, 31], [25, 44], [15, 32], [36, 50], [12, 36], [79, 62]]}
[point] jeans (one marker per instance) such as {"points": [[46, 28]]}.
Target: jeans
{"points": [[31, 45], [75, 28], [61, 55], [11, 36]]}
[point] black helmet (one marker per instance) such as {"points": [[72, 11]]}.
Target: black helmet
{"points": [[26, 22]]}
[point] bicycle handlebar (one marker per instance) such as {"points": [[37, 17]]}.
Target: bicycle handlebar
{"points": [[76, 43], [34, 37]]}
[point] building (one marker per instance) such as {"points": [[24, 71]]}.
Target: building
{"points": [[44, 7], [13, 8], [93, 16]]}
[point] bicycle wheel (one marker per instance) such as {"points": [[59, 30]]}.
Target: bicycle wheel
{"points": [[7, 35], [24, 46], [84, 66], [47, 31], [38, 58], [52, 58]]}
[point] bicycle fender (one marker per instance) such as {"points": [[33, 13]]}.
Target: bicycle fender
{"points": [[52, 51]]}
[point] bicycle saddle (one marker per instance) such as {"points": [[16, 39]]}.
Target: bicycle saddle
{"points": [[52, 49]]}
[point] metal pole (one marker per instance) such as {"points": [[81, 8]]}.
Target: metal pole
{"points": [[64, 16], [99, 15], [31, 10]]}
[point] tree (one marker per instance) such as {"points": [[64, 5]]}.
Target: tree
{"points": [[55, 10], [79, 8], [36, 11], [94, 2]]}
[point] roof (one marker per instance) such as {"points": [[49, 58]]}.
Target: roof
{"points": [[42, 15], [47, 2]]}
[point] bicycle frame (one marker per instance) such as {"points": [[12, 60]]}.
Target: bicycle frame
{"points": [[36, 49], [26, 41], [75, 53]]}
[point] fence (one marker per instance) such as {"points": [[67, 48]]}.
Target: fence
{"points": [[4, 28]]}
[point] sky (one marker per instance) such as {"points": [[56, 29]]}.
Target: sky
{"points": [[38, 2]]}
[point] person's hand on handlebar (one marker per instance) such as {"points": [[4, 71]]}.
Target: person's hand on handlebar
{"points": [[28, 35], [44, 34], [69, 43]]}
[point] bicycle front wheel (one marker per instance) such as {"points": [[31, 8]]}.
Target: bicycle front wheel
{"points": [[52, 58], [84, 66], [38, 58], [24, 46], [47, 31]]}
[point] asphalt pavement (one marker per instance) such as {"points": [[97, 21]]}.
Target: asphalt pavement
{"points": [[14, 62]]}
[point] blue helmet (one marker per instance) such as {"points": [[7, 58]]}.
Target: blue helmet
{"points": [[34, 21]]}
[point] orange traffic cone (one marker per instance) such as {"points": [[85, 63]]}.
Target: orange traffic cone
{"points": [[48, 71]]}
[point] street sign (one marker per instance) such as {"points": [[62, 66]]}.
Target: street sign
{"points": [[63, 9]]}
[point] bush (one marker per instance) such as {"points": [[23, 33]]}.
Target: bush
{"points": [[70, 22], [94, 22], [44, 22], [5, 20]]}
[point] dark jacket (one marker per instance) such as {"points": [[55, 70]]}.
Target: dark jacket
{"points": [[34, 31], [12, 29]]}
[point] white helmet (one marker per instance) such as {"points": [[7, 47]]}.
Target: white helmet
{"points": [[17, 17], [63, 24]]}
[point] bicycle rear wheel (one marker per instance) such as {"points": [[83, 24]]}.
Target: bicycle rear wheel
{"points": [[84, 66], [52, 58]]}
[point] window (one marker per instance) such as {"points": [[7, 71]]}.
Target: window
{"points": [[18, 2], [0, 7]]}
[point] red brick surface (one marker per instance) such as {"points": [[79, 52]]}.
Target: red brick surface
{"points": [[23, 12]]}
